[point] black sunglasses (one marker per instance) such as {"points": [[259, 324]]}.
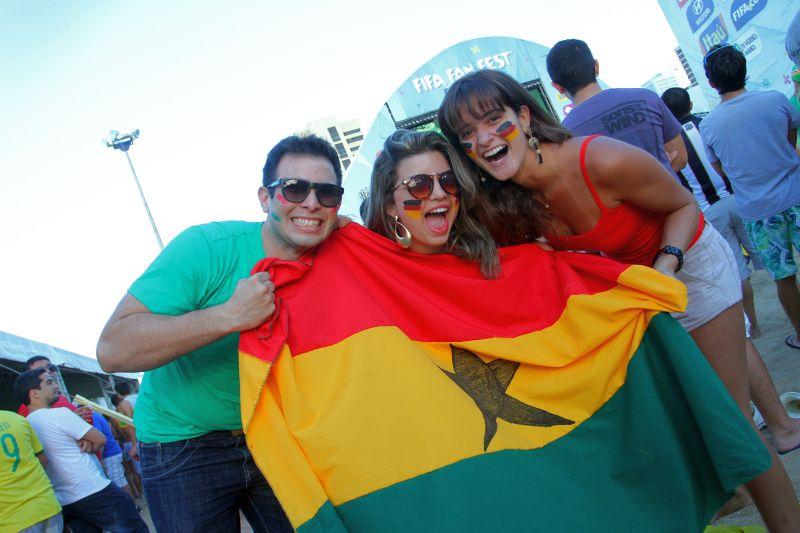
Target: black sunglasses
{"points": [[420, 186], [712, 52], [296, 191]]}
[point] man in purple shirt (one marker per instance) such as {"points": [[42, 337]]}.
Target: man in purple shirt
{"points": [[636, 116]]}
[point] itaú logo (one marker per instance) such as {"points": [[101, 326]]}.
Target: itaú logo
{"points": [[715, 33], [698, 13]]}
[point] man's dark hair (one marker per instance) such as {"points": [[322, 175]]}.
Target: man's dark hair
{"points": [[35, 359], [300, 145], [726, 68], [26, 382], [570, 64], [124, 388], [678, 101]]}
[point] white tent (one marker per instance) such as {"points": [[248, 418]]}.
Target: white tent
{"points": [[14, 348], [80, 374]]}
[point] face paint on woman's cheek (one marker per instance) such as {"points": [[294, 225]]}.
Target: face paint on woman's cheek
{"points": [[413, 208], [507, 130], [283, 201], [467, 147], [275, 217]]}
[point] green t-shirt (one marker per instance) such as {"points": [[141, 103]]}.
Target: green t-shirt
{"points": [[199, 391]]}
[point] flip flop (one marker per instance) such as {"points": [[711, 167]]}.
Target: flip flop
{"points": [[791, 344], [788, 451]]}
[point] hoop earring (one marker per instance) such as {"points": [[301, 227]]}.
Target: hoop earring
{"points": [[403, 240], [533, 142]]}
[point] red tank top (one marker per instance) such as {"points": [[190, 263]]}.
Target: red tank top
{"points": [[626, 233]]}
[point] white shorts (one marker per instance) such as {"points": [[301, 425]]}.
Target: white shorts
{"points": [[54, 524], [711, 278], [115, 470], [724, 216]]}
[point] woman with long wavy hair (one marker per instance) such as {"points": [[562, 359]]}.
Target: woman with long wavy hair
{"points": [[603, 195]]}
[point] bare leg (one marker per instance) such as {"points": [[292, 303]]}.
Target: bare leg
{"points": [[129, 491], [785, 429], [749, 303], [790, 300], [137, 483], [738, 501], [722, 341], [131, 476]]}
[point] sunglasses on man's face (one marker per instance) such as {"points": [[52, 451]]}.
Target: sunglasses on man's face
{"points": [[420, 186], [296, 190]]}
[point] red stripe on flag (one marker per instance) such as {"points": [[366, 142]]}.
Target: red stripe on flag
{"points": [[356, 273]]}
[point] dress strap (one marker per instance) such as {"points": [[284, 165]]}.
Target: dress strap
{"points": [[585, 173]]}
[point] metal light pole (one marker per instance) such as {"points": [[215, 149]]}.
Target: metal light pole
{"points": [[123, 141]]}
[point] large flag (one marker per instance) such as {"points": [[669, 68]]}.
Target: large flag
{"points": [[395, 391]]}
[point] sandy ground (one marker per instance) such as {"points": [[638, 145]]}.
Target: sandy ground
{"points": [[782, 361], [784, 366]]}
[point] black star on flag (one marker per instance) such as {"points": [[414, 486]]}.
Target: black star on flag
{"points": [[486, 384]]}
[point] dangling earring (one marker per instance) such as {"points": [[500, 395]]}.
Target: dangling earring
{"points": [[533, 142], [403, 240]]}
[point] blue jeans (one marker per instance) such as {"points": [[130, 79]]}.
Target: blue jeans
{"points": [[201, 484], [107, 510]]}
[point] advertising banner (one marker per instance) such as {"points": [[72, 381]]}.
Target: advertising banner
{"points": [[756, 27], [424, 89]]}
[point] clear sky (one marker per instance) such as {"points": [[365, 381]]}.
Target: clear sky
{"points": [[212, 86]]}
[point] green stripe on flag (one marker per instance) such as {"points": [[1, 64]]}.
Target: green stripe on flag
{"points": [[663, 454]]}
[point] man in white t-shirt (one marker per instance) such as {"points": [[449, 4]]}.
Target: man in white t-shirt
{"points": [[89, 500]]}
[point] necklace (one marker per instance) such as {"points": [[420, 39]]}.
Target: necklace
{"points": [[547, 192]]}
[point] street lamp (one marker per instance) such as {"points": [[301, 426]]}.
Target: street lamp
{"points": [[123, 141]]}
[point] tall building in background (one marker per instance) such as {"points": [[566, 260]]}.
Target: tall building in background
{"points": [[345, 136], [661, 82], [665, 80], [686, 68]]}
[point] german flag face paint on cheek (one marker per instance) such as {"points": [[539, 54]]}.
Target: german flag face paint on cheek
{"points": [[467, 147], [413, 208], [508, 131]]}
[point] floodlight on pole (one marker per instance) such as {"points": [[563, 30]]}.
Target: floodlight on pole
{"points": [[123, 141]]}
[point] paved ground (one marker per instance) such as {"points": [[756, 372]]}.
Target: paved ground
{"points": [[784, 366], [782, 361], [146, 517]]}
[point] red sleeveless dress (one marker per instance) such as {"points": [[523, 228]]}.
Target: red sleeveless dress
{"points": [[626, 233]]}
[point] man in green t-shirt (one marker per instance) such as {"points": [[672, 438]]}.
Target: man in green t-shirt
{"points": [[180, 322]]}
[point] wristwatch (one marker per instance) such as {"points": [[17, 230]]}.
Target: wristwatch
{"points": [[671, 250]]}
